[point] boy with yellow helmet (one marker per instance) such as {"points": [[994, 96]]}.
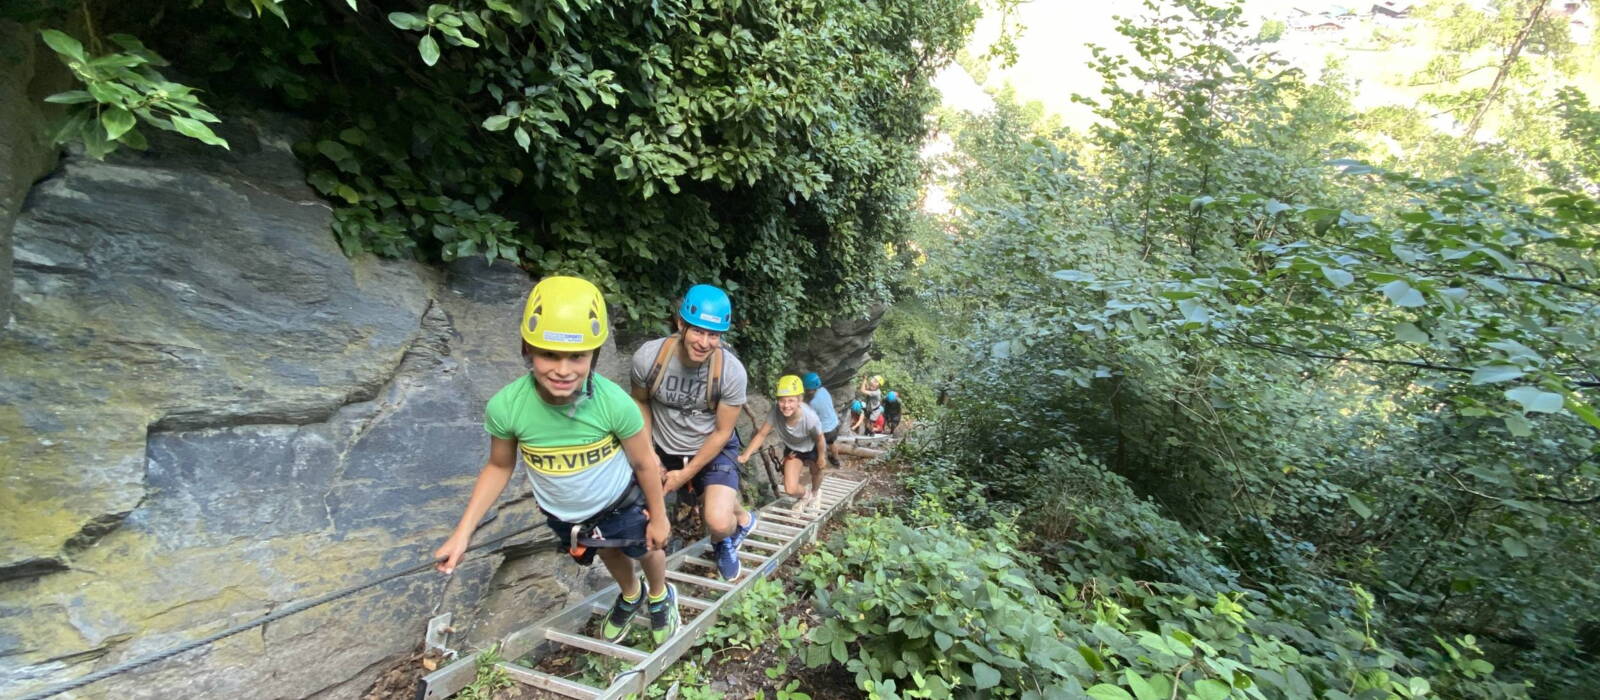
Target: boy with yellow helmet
{"points": [[587, 455], [800, 431]]}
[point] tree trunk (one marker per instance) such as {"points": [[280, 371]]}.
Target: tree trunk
{"points": [[1521, 39]]}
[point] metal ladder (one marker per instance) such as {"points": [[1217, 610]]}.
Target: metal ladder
{"points": [[779, 533]]}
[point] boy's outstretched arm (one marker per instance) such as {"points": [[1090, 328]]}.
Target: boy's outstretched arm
{"points": [[755, 442], [492, 479], [647, 471]]}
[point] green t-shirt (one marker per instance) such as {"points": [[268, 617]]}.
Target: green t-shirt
{"points": [[573, 453]]}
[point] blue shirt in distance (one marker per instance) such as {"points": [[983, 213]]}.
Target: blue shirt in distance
{"points": [[822, 403]]}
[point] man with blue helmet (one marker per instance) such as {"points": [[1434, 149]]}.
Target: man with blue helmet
{"points": [[690, 389]]}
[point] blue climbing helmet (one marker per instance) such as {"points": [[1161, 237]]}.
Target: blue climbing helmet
{"points": [[707, 307], [857, 406], [892, 397], [812, 381]]}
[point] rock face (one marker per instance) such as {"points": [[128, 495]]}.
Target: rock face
{"points": [[837, 352], [208, 412], [27, 74]]}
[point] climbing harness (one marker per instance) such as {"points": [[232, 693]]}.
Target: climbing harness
{"points": [[581, 547]]}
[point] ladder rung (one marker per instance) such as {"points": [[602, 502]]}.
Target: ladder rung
{"points": [[763, 545], [545, 681], [780, 526], [795, 514], [702, 562], [785, 519], [689, 602], [599, 645], [782, 538], [700, 581]]}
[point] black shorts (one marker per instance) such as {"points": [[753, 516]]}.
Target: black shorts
{"points": [[723, 469], [831, 435], [808, 458]]}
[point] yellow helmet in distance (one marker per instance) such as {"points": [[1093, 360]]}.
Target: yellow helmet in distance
{"points": [[790, 385]]}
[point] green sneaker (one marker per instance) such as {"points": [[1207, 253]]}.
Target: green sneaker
{"points": [[621, 616], [664, 616]]}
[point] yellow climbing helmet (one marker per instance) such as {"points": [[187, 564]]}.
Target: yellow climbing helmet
{"points": [[565, 314], [789, 385]]}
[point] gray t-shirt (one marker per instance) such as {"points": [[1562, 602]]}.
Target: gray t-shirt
{"points": [[680, 421], [872, 397], [800, 437]]}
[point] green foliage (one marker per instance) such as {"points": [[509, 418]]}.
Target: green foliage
{"points": [[1214, 362], [769, 147], [120, 90], [934, 609], [754, 619], [1271, 30], [490, 677]]}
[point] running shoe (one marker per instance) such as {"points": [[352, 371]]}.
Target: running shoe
{"points": [[743, 531], [664, 616], [727, 559], [621, 616]]}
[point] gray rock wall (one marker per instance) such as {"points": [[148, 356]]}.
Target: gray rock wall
{"points": [[837, 352], [27, 74], [208, 412]]}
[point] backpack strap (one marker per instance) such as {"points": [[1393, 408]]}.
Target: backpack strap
{"points": [[714, 382], [658, 372]]}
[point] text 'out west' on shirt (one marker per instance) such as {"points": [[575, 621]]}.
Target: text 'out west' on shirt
{"points": [[573, 452], [680, 420]]}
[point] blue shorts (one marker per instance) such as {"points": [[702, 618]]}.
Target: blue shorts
{"points": [[626, 523], [723, 469]]}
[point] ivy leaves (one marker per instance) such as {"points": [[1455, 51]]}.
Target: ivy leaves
{"points": [[120, 90]]}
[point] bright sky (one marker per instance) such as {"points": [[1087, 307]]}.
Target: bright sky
{"points": [[1054, 56]]}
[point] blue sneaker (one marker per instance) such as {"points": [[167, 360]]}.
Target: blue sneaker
{"points": [[741, 532], [727, 559]]}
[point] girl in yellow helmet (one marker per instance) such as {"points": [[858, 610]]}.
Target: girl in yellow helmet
{"points": [[582, 440], [800, 431]]}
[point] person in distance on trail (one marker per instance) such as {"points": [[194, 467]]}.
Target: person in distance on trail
{"points": [[690, 389], [587, 455], [872, 394], [891, 412], [818, 398], [801, 434], [857, 417]]}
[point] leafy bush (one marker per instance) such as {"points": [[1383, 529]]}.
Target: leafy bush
{"points": [[767, 146], [934, 609]]}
